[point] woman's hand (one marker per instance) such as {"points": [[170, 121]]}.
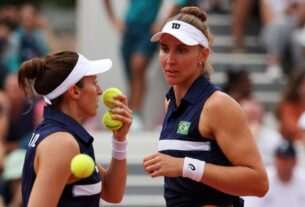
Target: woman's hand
{"points": [[121, 113], [159, 164]]}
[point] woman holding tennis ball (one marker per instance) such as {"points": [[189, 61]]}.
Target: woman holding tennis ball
{"points": [[60, 168]]}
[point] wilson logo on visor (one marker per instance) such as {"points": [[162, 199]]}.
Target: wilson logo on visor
{"points": [[175, 26]]}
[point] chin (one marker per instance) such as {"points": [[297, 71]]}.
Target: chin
{"points": [[171, 82]]}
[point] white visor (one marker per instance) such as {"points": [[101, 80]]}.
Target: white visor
{"points": [[83, 67], [184, 32]]}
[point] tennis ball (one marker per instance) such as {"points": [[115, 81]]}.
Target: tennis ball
{"points": [[108, 94], [111, 123], [82, 165]]}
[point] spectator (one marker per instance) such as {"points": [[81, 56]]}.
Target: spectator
{"points": [[21, 119], [291, 106], [286, 180], [11, 190], [280, 19], [266, 138], [238, 85], [241, 12], [9, 13], [136, 48], [5, 108], [5, 32], [28, 40], [4, 121]]}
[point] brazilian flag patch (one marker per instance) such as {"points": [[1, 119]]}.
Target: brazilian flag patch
{"points": [[183, 127]]}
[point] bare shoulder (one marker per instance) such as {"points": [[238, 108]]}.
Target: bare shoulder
{"points": [[220, 104], [60, 143], [219, 110]]}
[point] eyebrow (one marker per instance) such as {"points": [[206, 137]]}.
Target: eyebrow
{"points": [[179, 45]]}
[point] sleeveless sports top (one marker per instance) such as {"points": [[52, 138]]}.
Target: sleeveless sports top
{"points": [[82, 193], [180, 137]]}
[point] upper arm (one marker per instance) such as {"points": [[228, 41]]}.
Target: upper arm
{"points": [[52, 167], [224, 120]]}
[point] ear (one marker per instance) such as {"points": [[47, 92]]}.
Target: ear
{"points": [[204, 54], [73, 92]]}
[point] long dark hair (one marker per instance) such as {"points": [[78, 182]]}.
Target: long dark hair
{"points": [[46, 73]]}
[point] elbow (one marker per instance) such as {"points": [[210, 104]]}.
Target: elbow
{"points": [[263, 187], [114, 198]]}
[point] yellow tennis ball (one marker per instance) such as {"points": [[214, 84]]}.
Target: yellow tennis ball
{"points": [[108, 94], [82, 165], [111, 123]]}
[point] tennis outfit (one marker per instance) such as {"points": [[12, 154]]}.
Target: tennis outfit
{"points": [[83, 193], [180, 137]]}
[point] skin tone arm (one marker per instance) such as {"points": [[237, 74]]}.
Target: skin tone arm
{"points": [[4, 122], [247, 176], [4, 115], [52, 173], [118, 24], [289, 121], [114, 181]]}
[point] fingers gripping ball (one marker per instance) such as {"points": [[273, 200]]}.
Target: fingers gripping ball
{"points": [[111, 123], [108, 94], [82, 165]]}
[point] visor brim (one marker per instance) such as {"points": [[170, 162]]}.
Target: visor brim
{"points": [[99, 66], [185, 39]]}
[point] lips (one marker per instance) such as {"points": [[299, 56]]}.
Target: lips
{"points": [[171, 72]]}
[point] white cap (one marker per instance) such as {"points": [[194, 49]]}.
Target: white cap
{"points": [[83, 67], [186, 33]]}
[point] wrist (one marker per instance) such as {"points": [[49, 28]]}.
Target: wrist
{"points": [[119, 149], [193, 169]]}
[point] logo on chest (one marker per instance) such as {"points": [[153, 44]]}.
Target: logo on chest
{"points": [[183, 127]]}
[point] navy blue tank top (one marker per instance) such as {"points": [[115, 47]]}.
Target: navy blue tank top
{"points": [[82, 193], [180, 137]]}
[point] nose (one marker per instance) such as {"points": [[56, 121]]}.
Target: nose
{"points": [[170, 59]]}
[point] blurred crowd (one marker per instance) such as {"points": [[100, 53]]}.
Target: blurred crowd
{"points": [[24, 34]]}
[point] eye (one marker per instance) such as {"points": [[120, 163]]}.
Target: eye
{"points": [[182, 50], [164, 49]]}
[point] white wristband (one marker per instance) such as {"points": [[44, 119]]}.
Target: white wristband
{"points": [[193, 169], [119, 150]]}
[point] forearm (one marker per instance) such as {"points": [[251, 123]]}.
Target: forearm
{"points": [[115, 181], [235, 180], [109, 10], [115, 175]]}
